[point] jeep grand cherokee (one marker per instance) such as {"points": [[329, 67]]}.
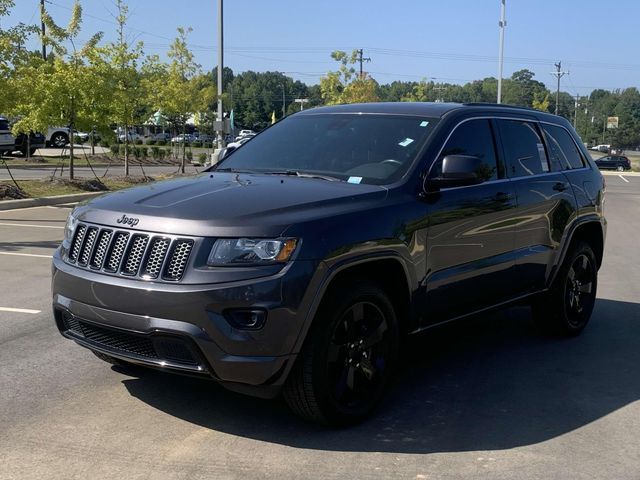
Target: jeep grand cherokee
{"points": [[299, 263]]}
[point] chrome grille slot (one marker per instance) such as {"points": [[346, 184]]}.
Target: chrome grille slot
{"points": [[87, 247], [101, 249], [135, 253], [78, 239], [117, 251], [142, 255], [178, 259], [155, 258]]}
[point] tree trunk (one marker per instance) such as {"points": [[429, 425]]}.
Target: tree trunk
{"points": [[184, 146], [126, 150], [71, 151], [28, 152]]}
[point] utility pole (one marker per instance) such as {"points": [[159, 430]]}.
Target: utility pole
{"points": [[220, 69], [283, 102], [502, 24], [42, 28], [439, 98], [558, 74], [575, 113], [361, 59]]}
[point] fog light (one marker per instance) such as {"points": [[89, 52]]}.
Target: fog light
{"points": [[246, 319]]}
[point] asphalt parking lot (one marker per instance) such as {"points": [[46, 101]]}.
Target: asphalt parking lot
{"points": [[488, 398]]}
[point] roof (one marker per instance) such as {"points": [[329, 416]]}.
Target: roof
{"points": [[425, 109]]}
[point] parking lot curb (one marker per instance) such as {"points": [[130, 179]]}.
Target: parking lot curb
{"points": [[44, 201]]}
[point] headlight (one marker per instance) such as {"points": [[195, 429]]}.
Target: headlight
{"points": [[70, 227], [247, 251]]}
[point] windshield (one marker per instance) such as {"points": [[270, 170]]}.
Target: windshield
{"points": [[357, 148]]}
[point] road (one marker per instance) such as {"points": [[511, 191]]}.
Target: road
{"points": [[489, 398]]}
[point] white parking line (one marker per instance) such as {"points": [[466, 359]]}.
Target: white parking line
{"points": [[25, 254], [29, 225], [623, 178], [19, 310]]}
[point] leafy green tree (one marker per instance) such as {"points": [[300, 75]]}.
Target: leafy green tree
{"points": [[57, 90], [344, 85]]}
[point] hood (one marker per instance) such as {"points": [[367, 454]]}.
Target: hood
{"points": [[228, 204]]}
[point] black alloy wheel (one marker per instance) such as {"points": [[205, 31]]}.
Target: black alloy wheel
{"points": [[346, 364]]}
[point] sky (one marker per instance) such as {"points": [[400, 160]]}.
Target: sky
{"points": [[453, 41]]}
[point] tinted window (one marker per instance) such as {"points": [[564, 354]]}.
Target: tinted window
{"points": [[563, 152], [4, 125], [523, 148], [472, 138], [368, 148]]}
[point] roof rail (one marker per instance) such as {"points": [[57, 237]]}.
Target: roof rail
{"points": [[500, 105]]}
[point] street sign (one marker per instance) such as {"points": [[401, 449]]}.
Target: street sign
{"points": [[612, 122]]}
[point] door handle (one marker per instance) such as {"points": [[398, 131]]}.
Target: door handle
{"points": [[503, 197], [561, 186]]}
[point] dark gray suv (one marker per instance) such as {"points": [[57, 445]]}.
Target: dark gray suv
{"points": [[299, 263]]}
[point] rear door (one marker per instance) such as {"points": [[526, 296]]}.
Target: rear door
{"points": [[545, 199], [470, 239]]}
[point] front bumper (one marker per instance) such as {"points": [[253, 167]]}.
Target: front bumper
{"points": [[182, 327]]}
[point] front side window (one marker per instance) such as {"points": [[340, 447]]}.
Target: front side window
{"points": [[4, 125], [563, 152], [357, 148], [473, 138], [523, 148]]}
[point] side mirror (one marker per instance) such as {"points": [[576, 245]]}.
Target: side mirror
{"points": [[457, 171]]}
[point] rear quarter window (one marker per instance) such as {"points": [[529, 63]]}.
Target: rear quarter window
{"points": [[563, 151]]}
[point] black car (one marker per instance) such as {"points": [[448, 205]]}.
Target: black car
{"points": [[300, 263], [613, 162], [36, 141]]}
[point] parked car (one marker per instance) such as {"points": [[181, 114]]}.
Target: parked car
{"points": [[614, 162], [57, 137], [7, 142], [183, 138], [244, 133], [36, 141], [161, 136], [206, 138], [299, 264], [132, 137], [239, 142]]}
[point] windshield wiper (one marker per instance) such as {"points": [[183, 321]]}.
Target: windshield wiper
{"points": [[296, 173]]}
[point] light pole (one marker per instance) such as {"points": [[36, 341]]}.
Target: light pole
{"points": [[502, 23], [220, 69]]}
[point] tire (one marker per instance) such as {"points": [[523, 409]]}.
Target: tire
{"points": [[109, 359], [348, 359], [566, 308], [620, 168], [59, 140], [31, 152]]}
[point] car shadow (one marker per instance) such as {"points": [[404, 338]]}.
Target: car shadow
{"points": [[489, 383]]}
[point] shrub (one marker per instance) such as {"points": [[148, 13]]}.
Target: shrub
{"points": [[155, 153], [150, 141], [202, 157], [115, 149], [197, 144], [105, 143], [208, 145], [144, 152], [138, 141], [189, 155], [161, 143]]}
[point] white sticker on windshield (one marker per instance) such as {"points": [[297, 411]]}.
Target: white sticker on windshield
{"points": [[355, 180], [424, 123], [406, 142]]}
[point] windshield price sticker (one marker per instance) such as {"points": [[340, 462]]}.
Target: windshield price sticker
{"points": [[405, 142], [355, 180]]}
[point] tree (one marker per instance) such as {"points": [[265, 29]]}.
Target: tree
{"points": [[173, 88], [58, 89], [117, 63], [344, 86]]}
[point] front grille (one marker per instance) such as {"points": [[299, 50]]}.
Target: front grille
{"points": [[142, 255], [155, 347]]}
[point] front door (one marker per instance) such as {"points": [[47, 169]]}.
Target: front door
{"points": [[470, 238]]}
